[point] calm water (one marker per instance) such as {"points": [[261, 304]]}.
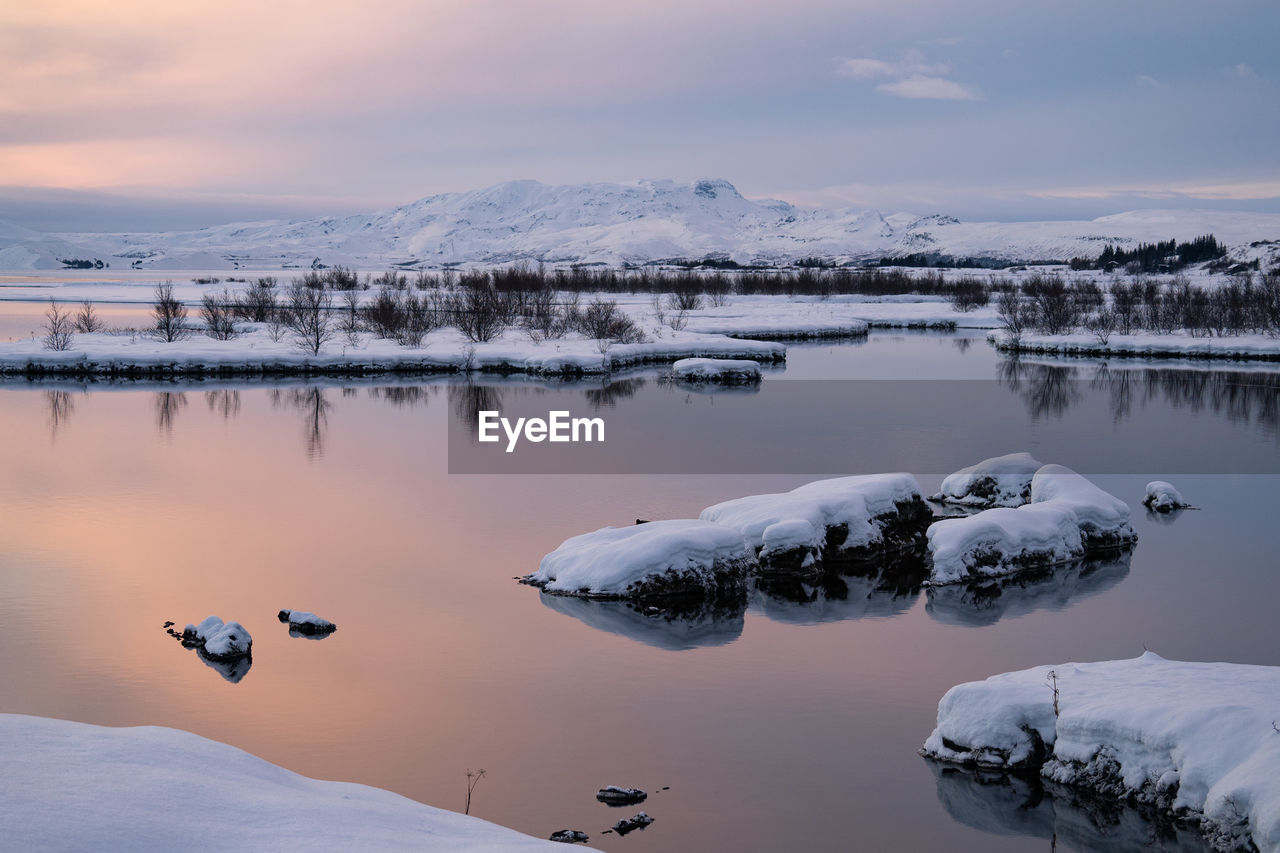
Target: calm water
{"points": [[791, 725]]}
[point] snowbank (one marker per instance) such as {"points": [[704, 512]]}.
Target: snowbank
{"points": [[72, 786], [846, 518], [656, 559], [1195, 740], [1104, 518], [217, 640], [253, 353], [726, 371], [1002, 541], [998, 481], [1163, 497], [1147, 345]]}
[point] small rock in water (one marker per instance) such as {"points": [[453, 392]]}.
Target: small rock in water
{"points": [[168, 624], [612, 795], [642, 521], [303, 622], [637, 821], [570, 836], [217, 640]]}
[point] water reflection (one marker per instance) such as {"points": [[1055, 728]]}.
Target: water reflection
{"points": [[231, 670], [1029, 807], [833, 597], [314, 406], [61, 405], [608, 394], [1004, 598], [166, 405], [715, 623], [224, 402], [1051, 390]]}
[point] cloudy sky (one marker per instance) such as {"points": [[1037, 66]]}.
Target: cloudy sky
{"points": [[152, 114]]}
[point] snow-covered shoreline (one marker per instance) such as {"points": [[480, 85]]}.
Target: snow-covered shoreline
{"points": [[75, 786], [1193, 740], [1144, 345]]}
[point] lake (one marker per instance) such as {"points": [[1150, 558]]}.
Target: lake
{"points": [[792, 724]]}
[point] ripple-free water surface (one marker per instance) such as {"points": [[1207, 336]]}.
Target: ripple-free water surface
{"points": [[791, 726]]}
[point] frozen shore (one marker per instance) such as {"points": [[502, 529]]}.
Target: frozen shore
{"points": [[74, 786], [1144, 345], [1194, 741]]}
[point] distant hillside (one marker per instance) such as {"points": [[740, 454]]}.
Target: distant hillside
{"points": [[635, 223]]}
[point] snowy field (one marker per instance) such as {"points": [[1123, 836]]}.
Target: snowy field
{"points": [[1195, 740], [73, 786]]}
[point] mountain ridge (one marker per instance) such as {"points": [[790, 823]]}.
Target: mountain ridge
{"points": [[616, 224]]}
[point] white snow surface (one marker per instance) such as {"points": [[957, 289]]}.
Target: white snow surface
{"points": [[726, 370], [1162, 496], [1205, 728], [72, 786], [619, 561], [1002, 541], [1000, 481], [853, 501], [1104, 518], [221, 640], [639, 222]]}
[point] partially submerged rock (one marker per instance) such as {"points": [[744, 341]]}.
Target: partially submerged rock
{"points": [[306, 623], [1067, 518], [849, 519], [998, 481], [646, 561], [218, 640], [637, 821], [724, 371], [1163, 497], [612, 795], [570, 836], [1193, 741]]}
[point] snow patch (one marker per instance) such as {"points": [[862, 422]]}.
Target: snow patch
{"points": [[1163, 497], [998, 481]]}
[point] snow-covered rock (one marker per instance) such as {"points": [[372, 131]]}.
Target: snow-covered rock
{"points": [[726, 371], [998, 481], [570, 836], [305, 622], [844, 518], [1163, 497], [217, 640], [1002, 541], [1104, 518], [637, 821], [614, 795], [651, 560], [74, 786], [1196, 740]]}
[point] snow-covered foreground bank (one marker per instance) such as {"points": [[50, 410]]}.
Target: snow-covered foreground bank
{"points": [[1144, 345], [73, 786], [1194, 740]]}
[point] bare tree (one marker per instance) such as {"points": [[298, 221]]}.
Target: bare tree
{"points": [[169, 315], [216, 311], [309, 317], [87, 320], [58, 327]]}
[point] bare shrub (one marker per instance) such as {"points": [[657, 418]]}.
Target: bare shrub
{"points": [[393, 279], [256, 304], [602, 320], [87, 319], [422, 314], [1014, 315], [479, 312], [969, 293], [1055, 312], [58, 328], [169, 315], [216, 311], [308, 317], [1102, 323]]}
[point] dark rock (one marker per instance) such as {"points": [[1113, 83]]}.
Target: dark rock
{"points": [[637, 821], [612, 795], [570, 836]]}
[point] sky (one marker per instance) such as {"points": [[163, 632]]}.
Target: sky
{"points": [[144, 115]]}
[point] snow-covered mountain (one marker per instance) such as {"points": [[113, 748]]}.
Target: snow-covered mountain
{"points": [[617, 224]]}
